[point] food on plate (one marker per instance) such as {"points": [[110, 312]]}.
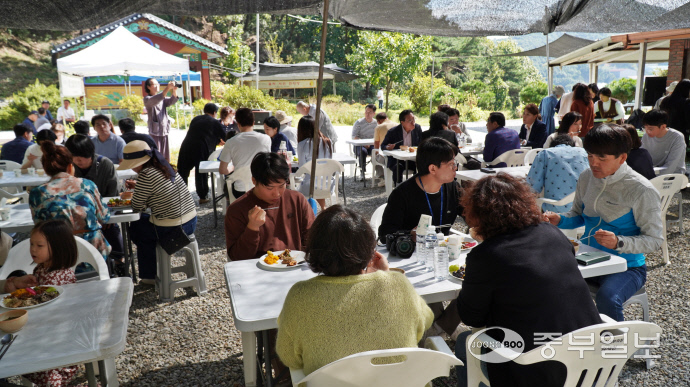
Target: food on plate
{"points": [[453, 268], [468, 245], [127, 195], [286, 258], [460, 273], [576, 245], [271, 258], [28, 297], [115, 202], [412, 149]]}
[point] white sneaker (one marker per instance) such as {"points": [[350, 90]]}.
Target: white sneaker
{"points": [[382, 183]]}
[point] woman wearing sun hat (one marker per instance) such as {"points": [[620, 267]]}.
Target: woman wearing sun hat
{"points": [[160, 188], [285, 128]]}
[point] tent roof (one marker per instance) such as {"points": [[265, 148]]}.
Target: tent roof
{"points": [[132, 21], [608, 51], [121, 53], [304, 70], [559, 47], [429, 17]]}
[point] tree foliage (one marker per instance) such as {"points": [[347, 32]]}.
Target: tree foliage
{"points": [[533, 93], [386, 58], [23, 102], [623, 89]]}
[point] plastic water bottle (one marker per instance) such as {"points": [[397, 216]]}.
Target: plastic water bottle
{"points": [[420, 251], [440, 258], [461, 142], [429, 245]]}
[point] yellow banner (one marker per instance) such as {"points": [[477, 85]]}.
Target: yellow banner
{"points": [[107, 97]]}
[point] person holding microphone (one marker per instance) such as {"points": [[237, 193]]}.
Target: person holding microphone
{"points": [[157, 109]]}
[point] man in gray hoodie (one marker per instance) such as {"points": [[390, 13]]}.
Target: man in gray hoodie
{"points": [[621, 212]]}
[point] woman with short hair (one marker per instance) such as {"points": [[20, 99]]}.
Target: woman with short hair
{"points": [[305, 150], [639, 159], [522, 277], [227, 121], [354, 305], [571, 125]]}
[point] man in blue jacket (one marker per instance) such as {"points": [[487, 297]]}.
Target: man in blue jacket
{"points": [[15, 149], [500, 139], [407, 133], [621, 212]]}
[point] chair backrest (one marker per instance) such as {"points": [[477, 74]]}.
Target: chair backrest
{"points": [[668, 185], [512, 158], [567, 199], [324, 182], [19, 258], [416, 367], [460, 159], [214, 155], [8, 165], [243, 174], [4, 195], [88, 115], [531, 155], [595, 353], [377, 218]]}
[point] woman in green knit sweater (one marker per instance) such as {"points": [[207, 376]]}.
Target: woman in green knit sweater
{"points": [[356, 305]]}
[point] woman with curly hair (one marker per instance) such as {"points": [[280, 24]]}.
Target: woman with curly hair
{"points": [[582, 103], [522, 277]]}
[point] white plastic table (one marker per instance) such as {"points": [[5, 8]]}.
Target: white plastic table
{"points": [[470, 150], [9, 179], [476, 174], [212, 167], [255, 309], [87, 323], [355, 143]]}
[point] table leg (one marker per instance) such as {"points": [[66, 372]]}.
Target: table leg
{"points": [[407, 171], [343, 184], [128, 247], [107, 373], [267, 359], [90, 375], [213, 195], [249, 358]]}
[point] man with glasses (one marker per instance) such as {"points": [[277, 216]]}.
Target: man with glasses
{"points": [[500, 139], [268, 216], [408, 133]]}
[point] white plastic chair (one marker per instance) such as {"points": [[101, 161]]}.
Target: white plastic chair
{"points": [[377, 218], [668, 186], [9, 165], [418, 367], [570, 233], [88, 115], [326, 178], [595, 350], [460, 160], [531, 155], [243, 174], [388, 175], [19, 258], [512, 158], [4, 196], [374, 164]]}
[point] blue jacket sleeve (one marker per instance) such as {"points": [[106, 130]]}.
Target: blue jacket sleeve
{"points": [[489, 148], [538, 135]]}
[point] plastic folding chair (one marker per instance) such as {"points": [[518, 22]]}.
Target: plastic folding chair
{"points": [[669, 186], [512, 158]]}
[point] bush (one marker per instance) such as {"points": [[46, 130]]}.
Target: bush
{"points": [[533, 93], [623, 89], [198, 106], [134, 104], [472, 113], [344, 114], [23, 102], [244, 96], [397, 102]]}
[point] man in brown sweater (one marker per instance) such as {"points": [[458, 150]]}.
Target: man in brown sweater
{"points": [[269, 216]]}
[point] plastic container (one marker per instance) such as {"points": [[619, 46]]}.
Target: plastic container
{"points": [[440, 258], [429, 245]]}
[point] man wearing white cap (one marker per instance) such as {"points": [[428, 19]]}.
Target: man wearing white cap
{"points": [[285, 128], [668, 92], [547, 108]]}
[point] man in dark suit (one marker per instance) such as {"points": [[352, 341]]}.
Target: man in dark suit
{"points": [[407, 133], [533, 132], [438, 127]]}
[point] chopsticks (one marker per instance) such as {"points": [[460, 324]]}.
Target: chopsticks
{"points": [[271, 208], [7, 346]]}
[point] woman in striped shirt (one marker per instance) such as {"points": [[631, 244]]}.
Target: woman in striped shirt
{"points": [[160, 188]]}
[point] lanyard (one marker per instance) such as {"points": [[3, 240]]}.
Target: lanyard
{"points": [[431, 212]]}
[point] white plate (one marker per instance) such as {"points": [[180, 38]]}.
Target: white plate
{"points": [[470, 248], [297, 255], [453, 278], [58, 288]]}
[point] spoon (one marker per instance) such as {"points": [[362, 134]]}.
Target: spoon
{"points": [[5, 340]]}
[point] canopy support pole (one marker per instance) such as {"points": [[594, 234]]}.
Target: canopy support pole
{"points": [[549, 73], [639, 88], [334, 93], [257, 51], [431, 92], [319, 91]]}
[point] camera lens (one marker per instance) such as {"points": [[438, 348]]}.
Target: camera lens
{"points": [[405, 247], [178, 85]]}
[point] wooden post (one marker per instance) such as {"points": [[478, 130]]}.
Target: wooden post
{"points": [[319, 92]]}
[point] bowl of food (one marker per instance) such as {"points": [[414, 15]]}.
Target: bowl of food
{"points": [[127, 195], [404, 147], [13, 321], [576, 245]]}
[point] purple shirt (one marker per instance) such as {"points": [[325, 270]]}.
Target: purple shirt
{"points": [[156, 108], [498, 142]]}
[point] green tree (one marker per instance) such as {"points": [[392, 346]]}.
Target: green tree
{"points": [[623, 89], [386, 58], [533, 93], [23, 102], [418, 91]]}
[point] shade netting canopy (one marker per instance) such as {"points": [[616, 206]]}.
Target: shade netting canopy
{"points": [[303, 70], [559, 47], [121, 53]]}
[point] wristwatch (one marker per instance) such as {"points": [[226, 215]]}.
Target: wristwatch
{"points": [[620, 243]]}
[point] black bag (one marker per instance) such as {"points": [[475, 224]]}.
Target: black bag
{"points": [[174, 241]]}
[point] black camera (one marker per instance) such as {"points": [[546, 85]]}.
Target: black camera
{"points": [[400, 244], [178, 85]]}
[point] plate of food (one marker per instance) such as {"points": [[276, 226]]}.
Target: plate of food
{"points": [[466, 245], [457, 273], [32, 297], [116, 202], [282, 260]]}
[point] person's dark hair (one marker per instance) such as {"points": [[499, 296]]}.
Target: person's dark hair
{"points": [[594, 88], [434, 151], [244, 117], [340, 242], [147, 84], [268, 167], [636, 142], [655, 117], [82, 127], [55, 158], [210, 108], [305, 130], [272, 122], [607, 140], [126, 125], [225, 111], [452, 112], [20, 129], [403, 114], [438, 120], [154, 163], [45, 135], [443, 108], [561, 139], [676, 100], [497, 117], [581, 93], [500, 204], [57, 127], [371, 106], [66, 100], [568, 120], [99, 117], [80, 146], [605, 91], [61, 243], [41, 110], [533, 109], [382, 116]]}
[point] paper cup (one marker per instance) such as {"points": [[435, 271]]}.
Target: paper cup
{"points": [[40, 172], [17, 172], [32, 171], [4, 213]]}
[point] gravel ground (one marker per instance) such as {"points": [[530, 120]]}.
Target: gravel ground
{"points": [[192, 341]]}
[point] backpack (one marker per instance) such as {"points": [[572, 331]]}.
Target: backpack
{"points": [[635, 118]]}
